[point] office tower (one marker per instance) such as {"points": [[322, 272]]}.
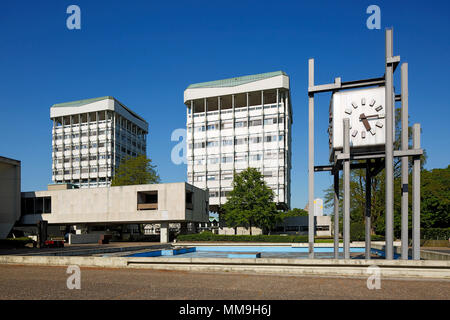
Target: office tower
{"points": [[237, 123], [90, 137]]}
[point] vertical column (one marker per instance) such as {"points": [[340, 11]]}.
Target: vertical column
{"points": [[287, 152], [368, 209], [192, 141], [278, 147], [346, 173], [311, 161], [389, 159], [248, 131], [336, 212], [71, 147], [219, 108], [205, 123], [164, 232], [97, 149], [404, 203], [79, 148], [262, 134], [416, 196]]}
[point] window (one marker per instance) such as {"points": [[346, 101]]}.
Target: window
{"points": [[292, 228], [240, 124], [189, 200], [36, 205], [322, 228], [256, 122], [147, 200]]}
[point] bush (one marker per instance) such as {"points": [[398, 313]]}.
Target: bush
{"points": [[435, 233], [15, 242], [357, 231], [209, 236]]}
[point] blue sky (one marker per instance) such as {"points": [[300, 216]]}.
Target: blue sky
{"points": [[145, 53]]}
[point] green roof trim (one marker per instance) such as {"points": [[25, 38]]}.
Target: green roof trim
{"points": [[237, 81], [80, 103], [83, 102]]}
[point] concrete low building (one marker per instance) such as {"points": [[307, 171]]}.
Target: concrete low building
{"points": [[9, 194], [299, 225], [136, 204]]}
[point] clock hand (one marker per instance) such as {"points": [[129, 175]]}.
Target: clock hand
{"points": [[379, 116], [363, 118]]}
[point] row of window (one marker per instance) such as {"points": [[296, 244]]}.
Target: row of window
{"points": [[83, 134], [238, 123], [84, 146], [101, 156], [237, 109], [229, 176], [237, 141], [238, 157], [78, 171]]}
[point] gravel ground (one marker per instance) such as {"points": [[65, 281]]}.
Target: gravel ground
{"points": [[37, 282]]}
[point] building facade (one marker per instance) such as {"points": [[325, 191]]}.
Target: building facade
{"points": [[136, 204], [237, 123], [90, 137], [9, 194]]}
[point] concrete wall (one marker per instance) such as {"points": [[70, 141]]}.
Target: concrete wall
{"points": [[84, 238], [9, 194], [302, 221], [240, 231], [119, 205]]}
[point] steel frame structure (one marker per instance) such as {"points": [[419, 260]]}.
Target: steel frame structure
{"points": [[372, 162]]}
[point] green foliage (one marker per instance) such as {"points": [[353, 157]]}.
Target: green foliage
{"points": [[435, 234], [209, 236], [135, 170], [250, 203], [296, 212], [435, 198], [357, 231]]}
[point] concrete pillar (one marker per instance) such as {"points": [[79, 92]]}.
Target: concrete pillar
{"points": [[416, 195], [405, 173], [164, 232], [346, 178], [311, 161], [389, 159]]}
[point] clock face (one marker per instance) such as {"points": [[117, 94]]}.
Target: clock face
{"points": [[365, 110]]}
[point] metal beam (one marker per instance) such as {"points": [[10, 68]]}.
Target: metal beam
{"points": [[389, 159], [336, 215], [338, 85], [368, 208], [416, 196], [404, 163], [346, 216], [397, 154], [311, 226]]}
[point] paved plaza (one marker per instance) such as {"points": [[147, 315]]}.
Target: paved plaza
{"points": [[38, 282]]}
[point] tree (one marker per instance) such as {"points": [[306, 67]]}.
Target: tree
{"points": [[435, 195], [135, 170], [250, 203], [295, 212]]}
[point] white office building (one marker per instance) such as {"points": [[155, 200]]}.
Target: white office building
{"points": [[90, 137], [238, 123]]}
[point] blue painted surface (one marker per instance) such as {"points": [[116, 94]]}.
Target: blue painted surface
{"points": [[265, 252], [272, 249], [165, 252], [245, 255]]}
